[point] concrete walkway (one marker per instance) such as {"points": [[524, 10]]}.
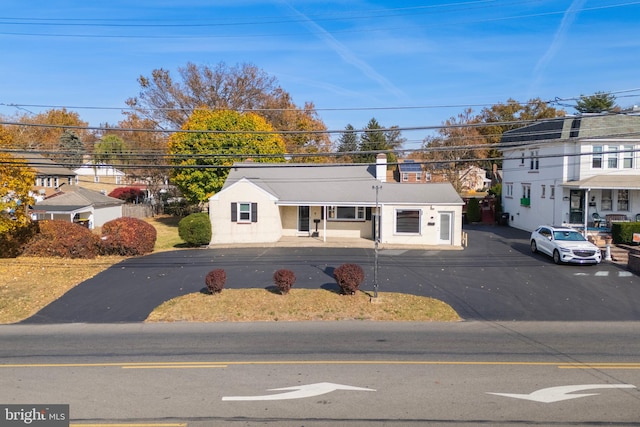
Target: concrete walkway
{"points": [[333, 242]]}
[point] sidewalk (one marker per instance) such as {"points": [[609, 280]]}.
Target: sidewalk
{"points": [[332, 242]]}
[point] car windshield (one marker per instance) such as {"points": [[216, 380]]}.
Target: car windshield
{"points": [[568, 235]]}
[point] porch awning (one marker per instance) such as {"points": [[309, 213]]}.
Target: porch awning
{"points": [[600, 182]]}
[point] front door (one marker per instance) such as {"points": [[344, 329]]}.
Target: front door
{"points": [[303, 219], [576, 207], [445, 235]]}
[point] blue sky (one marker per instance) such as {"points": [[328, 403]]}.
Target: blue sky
{"points": [[406, 63]]}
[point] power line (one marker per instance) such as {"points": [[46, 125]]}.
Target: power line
{"points": [[462, 7]]}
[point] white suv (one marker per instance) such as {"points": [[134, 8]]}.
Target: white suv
{"points": [[564, 244]]}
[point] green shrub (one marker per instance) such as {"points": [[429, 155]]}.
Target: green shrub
{"points": [[622, 232], [215, 280], [284, 280], [195, 229], [63, 239], [180, 208], [12, 243], [349, 277], [127, 236], [473, 210]]}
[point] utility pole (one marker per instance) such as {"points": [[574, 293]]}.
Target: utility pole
{"points": [[376, 238]]}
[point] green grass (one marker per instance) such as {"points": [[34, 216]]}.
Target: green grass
{"points": [[167, 233]]}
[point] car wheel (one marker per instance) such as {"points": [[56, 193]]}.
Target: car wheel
{"points": [[556, 257], [534, 247]]}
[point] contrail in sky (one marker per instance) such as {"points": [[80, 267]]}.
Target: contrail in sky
{"points": [[346, 54], [558, 39]]}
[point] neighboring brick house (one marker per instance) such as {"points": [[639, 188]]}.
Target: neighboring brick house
{"points": [[408, 171]]}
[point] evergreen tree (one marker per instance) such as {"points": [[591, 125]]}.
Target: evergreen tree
{"points": [[70, 149], [348, 143], [600, 102], [373, 139]]}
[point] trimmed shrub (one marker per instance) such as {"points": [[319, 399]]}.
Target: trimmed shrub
{"points": [[127, 236], [195, 229], [474, 214], [622, 232], [349, 277], [215, 280], [63, 239], [284, 280], [12, 243]]}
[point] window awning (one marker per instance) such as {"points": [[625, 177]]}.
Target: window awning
{"points": [[600, 182]]}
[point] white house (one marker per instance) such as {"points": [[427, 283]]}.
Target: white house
{"points": [[261, 203], [99, 176], [79, 205], [572, 171], [474, 178]]}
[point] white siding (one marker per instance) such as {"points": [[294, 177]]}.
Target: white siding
{"points": [[268, 227]]}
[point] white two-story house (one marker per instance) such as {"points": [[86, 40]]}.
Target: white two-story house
{"points": [[577, 170]]}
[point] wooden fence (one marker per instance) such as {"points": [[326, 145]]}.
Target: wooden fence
{"points": [[137, 211]]}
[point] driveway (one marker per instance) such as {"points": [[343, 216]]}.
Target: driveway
{"points": [[495, 278]]}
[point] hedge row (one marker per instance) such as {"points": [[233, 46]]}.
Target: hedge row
{"points": [[51, 238]]}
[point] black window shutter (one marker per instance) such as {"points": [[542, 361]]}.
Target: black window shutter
{"points": [[368, 214], [322, 208], [234, 212], [254, 212]]}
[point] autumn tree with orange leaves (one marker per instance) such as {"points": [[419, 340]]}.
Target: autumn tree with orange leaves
{"points": [[16, 180]]}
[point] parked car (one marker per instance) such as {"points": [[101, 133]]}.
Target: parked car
{"points": [[564, 244]]}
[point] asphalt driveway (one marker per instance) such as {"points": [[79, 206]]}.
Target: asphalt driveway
{"points": [[494, 278]]}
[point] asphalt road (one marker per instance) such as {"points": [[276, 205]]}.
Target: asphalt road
{"points": [[495, 278], [328, 373]]}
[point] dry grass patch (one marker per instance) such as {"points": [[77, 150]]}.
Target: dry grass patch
{"points": [[167, 237], [29, 284], [248, 305]]}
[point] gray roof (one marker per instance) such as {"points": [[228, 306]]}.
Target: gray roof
{"points": [[77, 198], [582, 126], [611, 181], [336, 184], [42, 165]]}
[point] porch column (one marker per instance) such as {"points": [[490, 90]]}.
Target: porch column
{"points": [[324, 224], [586, 211]]}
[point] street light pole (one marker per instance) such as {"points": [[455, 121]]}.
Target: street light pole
{"points": [[376, 237]]}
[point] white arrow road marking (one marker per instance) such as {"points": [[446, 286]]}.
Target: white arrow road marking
{"points": [[298, 392], [557, 394]]}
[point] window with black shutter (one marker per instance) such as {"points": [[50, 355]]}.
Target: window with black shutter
{"points": [[244, 212]]}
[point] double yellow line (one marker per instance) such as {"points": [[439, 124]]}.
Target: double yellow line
{"points": [[219, 365]]}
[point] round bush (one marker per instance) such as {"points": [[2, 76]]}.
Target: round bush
{"points": [[284, 280], [195, 229], [349, 277], [215, 280], [127, 236], [63, 239]]}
